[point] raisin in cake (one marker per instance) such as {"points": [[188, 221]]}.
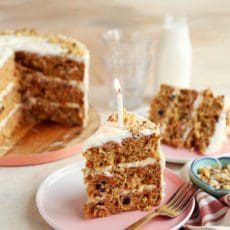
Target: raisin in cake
{"points": [[43, 78], [124, 167], [190, 119]]}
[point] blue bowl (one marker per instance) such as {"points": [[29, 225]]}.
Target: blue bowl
{"points": [[205, 161]]}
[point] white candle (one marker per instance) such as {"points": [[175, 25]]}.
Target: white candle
{"points": [[117, 87]]}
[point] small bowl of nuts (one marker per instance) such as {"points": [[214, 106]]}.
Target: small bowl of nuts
{"points": [[212, 175]]}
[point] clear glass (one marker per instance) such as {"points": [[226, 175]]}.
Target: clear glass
{"points": [[127, 56]]}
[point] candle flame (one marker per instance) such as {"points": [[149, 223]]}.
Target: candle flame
{"points": [[117, 85]]}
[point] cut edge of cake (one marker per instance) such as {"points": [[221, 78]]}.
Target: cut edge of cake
{"points": [[112, 155], [44, 58]]}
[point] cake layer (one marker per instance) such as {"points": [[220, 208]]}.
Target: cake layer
{"points": [[45, 110], [8, 98], [35, 84], [52, 65], [161, 103], [10, 123], [143, 200], [7, 72], [117, 180], [205, 122], [179, 118], [5, 55], [112, 153], [5, 92]]}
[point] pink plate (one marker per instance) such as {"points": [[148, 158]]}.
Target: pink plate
{"points": [[175, 155], [60, 199]]}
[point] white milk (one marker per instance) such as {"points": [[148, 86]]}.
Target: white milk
{"points": [[174, 56]]}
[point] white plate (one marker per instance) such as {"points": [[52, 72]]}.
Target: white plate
{"points": [[60, 199]]}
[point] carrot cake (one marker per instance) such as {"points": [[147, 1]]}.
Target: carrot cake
{"points": [[124, 167], [190, 119], [43, 78]]}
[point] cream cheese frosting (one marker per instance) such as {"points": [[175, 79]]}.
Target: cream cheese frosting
{"points": [[6, 91], [4, 121], [136, 164], [30, 44], [5, 53], [108, 132], [111, 132], [33, 100]]}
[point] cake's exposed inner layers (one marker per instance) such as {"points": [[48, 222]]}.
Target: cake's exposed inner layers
{"points": [[45, 77], [210, 118], [50, 97], [10, 110], [191, 119], [53, 66], [123, 167]]}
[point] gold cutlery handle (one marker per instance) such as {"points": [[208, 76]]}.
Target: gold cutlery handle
{"points": [[142, 221]]}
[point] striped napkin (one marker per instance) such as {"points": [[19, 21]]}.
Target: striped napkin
{"points": [[209, 213]]}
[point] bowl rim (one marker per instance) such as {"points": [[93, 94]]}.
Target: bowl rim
{"points": [[194, 174]]}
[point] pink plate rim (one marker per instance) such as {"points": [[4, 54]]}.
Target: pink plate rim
{"points": [[49, 178], [45, 157], [181, 156]]}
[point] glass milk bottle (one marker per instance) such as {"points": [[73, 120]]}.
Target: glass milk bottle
{"points": [[174, 56]]}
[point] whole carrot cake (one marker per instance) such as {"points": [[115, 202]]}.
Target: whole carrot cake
{"points": [[44, 77], [191, 119], [124, 167]]}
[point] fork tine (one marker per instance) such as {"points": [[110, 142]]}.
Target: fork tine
{"points": [[177, 194], [186, 200], [166, 209], [181, 197]]}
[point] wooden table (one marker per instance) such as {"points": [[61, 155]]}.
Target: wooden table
{"points": [[86, 20]]}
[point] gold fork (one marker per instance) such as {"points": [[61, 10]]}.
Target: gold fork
{"points": [[172, 208]]}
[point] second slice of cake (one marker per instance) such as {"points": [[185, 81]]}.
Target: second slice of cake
{"points": [[196, 120], [124, 167]]}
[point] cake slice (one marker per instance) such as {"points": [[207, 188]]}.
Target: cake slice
{"points": [[191, 119], [124, 167]]}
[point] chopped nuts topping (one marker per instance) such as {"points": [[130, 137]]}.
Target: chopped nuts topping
{"points": [[217, 177], [134, 123], [70, 44]]}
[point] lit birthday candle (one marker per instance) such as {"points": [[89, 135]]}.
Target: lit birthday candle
{"points": [[117, 87]]}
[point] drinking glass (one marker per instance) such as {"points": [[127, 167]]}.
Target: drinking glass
{"points": [[127, 56]]}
